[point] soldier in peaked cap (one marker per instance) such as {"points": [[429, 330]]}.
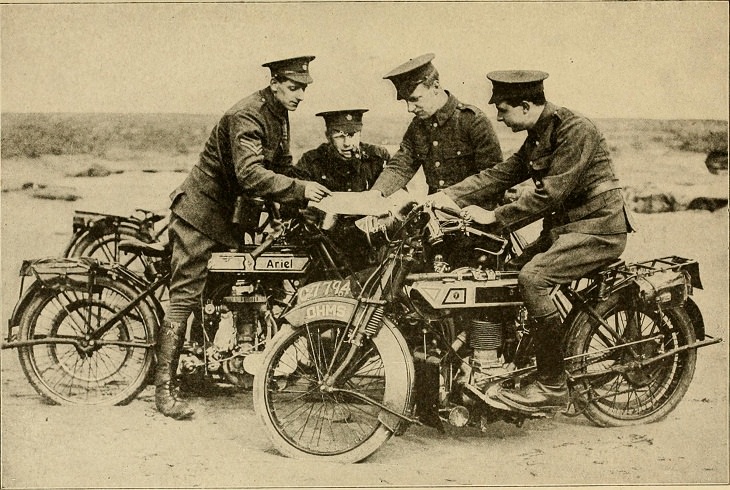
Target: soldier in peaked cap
{"points": [[449, 139], [246, 156], [576, 192], [345, 164]]}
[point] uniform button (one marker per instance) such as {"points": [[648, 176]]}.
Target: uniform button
{"points": [[530, 164], [436, 164], [324, 177], [263, 100], [435, 143], [435, 125], [537, 143], [458, 152], [441, 182], [349, 189]]}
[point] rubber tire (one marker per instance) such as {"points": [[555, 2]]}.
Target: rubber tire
{"points": [[582, 328], [27, 323], [395, 353]]}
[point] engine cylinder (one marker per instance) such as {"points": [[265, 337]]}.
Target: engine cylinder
{"points": [[485, 335]]}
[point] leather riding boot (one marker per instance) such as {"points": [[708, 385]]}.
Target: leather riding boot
{"points": [[550, 390], [168, 355]]}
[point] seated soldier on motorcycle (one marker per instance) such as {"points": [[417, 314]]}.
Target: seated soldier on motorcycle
{"points": [[578, 195], [345, 164], [247, 154]]}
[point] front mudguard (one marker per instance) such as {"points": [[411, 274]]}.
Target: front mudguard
{"points": [[342, 309]]}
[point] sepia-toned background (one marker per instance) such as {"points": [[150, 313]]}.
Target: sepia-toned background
{"points": [[108, 106]]}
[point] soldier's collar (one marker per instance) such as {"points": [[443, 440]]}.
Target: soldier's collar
{"points": [[543, 122], [442, 115], [273, 104]]}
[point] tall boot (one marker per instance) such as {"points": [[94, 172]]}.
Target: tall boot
{"points": [[550, 390], [168, 355]]}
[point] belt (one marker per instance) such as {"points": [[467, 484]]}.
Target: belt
{"points": [[605, 186], [589, 202]]}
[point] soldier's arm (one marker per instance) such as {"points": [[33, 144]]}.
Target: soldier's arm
{"points": [[400, 169], [576, 143], [489, 184], [248, 158]]}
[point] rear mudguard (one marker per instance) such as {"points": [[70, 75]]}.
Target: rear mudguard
{"points": [[696, 316], [48, 286], [629, 289], [341, 309]]}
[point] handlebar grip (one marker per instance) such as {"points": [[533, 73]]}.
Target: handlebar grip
{"points": [[273, 236], [264, 246]]}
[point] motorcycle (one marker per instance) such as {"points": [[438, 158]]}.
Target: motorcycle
{"points": [[85, 330], [98, 234], [353, 365]]}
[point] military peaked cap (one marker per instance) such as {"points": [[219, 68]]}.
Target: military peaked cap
{"points": [[508, 84], [410, 74], [296, 69], [347, 121]]}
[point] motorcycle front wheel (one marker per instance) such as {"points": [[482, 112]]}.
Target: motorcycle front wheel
{"points": [[305, 421], [71, 366], [617, 391]]}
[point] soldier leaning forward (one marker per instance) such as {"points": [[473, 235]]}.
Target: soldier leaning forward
{"points": [[247, 154], [450, 140]]}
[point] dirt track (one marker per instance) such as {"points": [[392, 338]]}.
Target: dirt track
{"points": [[133, 446]]}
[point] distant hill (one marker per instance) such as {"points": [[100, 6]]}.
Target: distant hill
{"points": [[107, 135]]}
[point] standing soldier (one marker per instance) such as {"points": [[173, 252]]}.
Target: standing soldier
{"points": [[450, 140], [345, 164], [247, 154], [578, 195]]}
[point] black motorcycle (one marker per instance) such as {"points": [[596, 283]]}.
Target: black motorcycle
{"points": [[85, 329], [352, 365]]}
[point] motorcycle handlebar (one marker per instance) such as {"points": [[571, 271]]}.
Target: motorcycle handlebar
{"points": [[276, 233]]}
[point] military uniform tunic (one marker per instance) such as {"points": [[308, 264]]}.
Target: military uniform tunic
{"points": [[246, 154], [576, 191], [326, 166], [575, 182], [457, 141]]}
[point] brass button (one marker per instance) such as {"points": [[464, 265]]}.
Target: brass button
{"points": [[435, 125], [441, 182], [437, 164], [435, 143], [458, 152]]}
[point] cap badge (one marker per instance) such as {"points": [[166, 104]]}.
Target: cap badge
{"points": [[348, 117], [304, 67]]}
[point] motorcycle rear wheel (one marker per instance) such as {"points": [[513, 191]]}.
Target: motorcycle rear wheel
{"points": [[305, 422], [644, 394], [113, 372]]}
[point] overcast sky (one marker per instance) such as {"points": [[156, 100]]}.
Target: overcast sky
{"points": [[650, 60]]}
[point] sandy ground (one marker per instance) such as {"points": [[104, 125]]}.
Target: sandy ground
{"points": [[224, 445]]}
